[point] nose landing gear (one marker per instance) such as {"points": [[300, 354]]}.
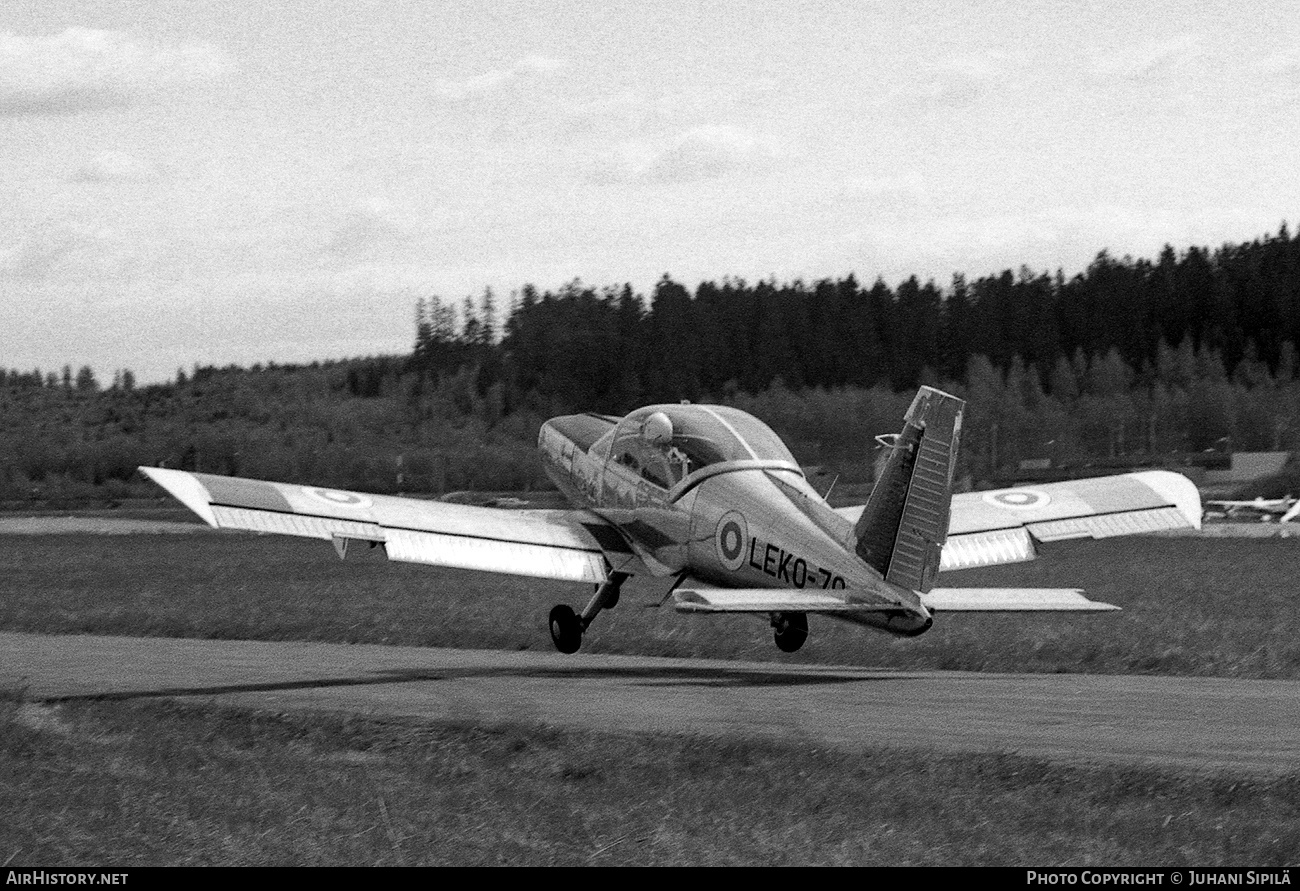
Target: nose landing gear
{"points": [[567, 627]]}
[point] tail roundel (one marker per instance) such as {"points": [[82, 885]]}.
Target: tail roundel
{"points": [[904, 525]]}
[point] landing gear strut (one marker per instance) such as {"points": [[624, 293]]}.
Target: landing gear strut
{"points": [[790, 630], [567, 627]]}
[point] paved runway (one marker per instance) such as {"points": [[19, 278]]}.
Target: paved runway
{"points": [[1205, 724]]}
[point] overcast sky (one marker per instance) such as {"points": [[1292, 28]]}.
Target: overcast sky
{"points": [[221, 182]]}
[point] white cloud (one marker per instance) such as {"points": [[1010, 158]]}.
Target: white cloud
{"points": [[979, 66], [497, 78], [903, 192], [1065, 236], [1280, 66], [959, 81], [1149, 58], [373, 232], [109, 167], [84, 69], [703, 153], [68, 251]]}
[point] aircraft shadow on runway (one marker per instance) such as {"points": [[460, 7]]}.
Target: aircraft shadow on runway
{"points": [[648, 676]]}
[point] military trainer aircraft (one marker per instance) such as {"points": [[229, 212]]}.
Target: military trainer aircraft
{"points": [[709, 497]]}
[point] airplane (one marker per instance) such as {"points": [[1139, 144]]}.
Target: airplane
{"points": [[1285, 509], [710, 497]]}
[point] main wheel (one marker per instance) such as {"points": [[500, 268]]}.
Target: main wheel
{"points": [[791, 631], [566, 629]]}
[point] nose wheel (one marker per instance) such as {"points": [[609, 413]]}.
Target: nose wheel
{"points": [[567, 627]]}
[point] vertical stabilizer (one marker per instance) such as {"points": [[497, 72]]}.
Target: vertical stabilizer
{"points": [[905, 523]]}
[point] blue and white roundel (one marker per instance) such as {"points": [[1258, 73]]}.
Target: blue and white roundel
{"points": [[338, 499], [1018, 499]]}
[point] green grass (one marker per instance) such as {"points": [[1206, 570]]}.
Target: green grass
{"points": [[1216, 607], [166, 783]]}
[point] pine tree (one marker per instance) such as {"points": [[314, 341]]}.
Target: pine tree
{"points": [[489, 323], [423, 329]]}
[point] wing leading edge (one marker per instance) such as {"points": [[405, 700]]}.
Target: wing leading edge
{"points": [[566, 545]]}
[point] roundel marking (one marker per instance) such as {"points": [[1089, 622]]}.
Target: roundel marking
{"points": [[338, 499], [730, 538], [1018, 499]]}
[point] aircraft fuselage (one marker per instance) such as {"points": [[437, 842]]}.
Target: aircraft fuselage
{"points": [[747, 520]]}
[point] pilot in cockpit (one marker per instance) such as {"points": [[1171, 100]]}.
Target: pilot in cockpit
{"points": [[657, 430]]}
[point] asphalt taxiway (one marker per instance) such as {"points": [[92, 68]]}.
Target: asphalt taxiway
{"points": [[1202, 724]]}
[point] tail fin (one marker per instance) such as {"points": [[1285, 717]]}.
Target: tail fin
{"points": [[905, 523]]}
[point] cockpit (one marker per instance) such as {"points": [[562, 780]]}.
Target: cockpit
{"points": [[664, 444]]}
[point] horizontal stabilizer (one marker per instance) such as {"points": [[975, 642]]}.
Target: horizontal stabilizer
{"points": [[1012, 600], [768, 600]]}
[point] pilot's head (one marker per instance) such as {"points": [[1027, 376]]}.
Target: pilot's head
{"points": [[657, 429]]}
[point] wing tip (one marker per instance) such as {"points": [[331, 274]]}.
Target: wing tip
{"points": [[1177, 489], [185, 488]]}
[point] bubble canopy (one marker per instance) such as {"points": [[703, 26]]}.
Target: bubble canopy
{"points": [[702, 434]]}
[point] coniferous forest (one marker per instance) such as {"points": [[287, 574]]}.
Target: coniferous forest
{"points": [[1128, 362]]}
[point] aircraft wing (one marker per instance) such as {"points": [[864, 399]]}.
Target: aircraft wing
{"points": [[1011, 600], [555, 544], [1003, 525]]}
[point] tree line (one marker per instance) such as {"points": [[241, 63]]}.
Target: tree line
{"points": [[612, 347], [1129, 361]]}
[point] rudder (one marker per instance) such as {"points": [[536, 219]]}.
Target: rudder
{"points": [[904, 525]]}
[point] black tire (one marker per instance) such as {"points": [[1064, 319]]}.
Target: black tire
{"points": [[791, 631], [566, 629]]}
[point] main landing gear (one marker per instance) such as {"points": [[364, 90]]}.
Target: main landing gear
{"points": [[790, 630], [567, 627]]}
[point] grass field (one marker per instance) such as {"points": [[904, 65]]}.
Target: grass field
{"points": [[1222, 607], [166, 783], [163, 783]]}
